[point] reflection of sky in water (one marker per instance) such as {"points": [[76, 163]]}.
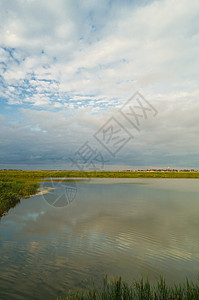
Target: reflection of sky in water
{"points": [[146, 228]]}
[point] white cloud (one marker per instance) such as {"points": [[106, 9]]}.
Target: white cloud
{"points": [[79, 60]]}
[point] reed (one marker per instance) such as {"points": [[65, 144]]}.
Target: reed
{"points": [[142, 289]]}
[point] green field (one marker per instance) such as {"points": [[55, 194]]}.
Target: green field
{"points": [[17, 184], [36, 175]]}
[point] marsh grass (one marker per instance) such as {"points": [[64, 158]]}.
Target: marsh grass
{"points": [[11, 191], [38, 175], [142, 289]]}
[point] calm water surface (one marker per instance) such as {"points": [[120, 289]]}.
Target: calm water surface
{"points": [[127, 227]]}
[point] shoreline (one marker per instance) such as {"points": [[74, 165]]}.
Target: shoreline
{"points": [[39, 175]]}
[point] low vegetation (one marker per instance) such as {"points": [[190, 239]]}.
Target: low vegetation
{"points": [[141, 290], [38, 175], [11, 191]]}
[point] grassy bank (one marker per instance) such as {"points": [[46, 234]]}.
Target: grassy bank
{"points": [[37, 175], [11, 191], [139, 290]]}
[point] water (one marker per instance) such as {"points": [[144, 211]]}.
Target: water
{"points": [[127, 227]]}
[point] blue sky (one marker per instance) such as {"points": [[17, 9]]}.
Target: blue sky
{"points": [[67, 67]]}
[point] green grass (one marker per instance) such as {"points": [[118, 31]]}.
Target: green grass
{"points": [[118, 289], [11, 191], [37, 175]]}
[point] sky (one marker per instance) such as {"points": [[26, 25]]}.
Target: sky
{"points": [[101, 85]]}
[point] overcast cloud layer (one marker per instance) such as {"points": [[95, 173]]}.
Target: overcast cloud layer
{"points": [[67, 67]]}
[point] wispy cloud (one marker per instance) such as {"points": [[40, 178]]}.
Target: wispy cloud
{"points": [[65, 66]]}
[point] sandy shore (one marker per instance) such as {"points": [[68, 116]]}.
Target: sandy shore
{"points": [[43, 191]]}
